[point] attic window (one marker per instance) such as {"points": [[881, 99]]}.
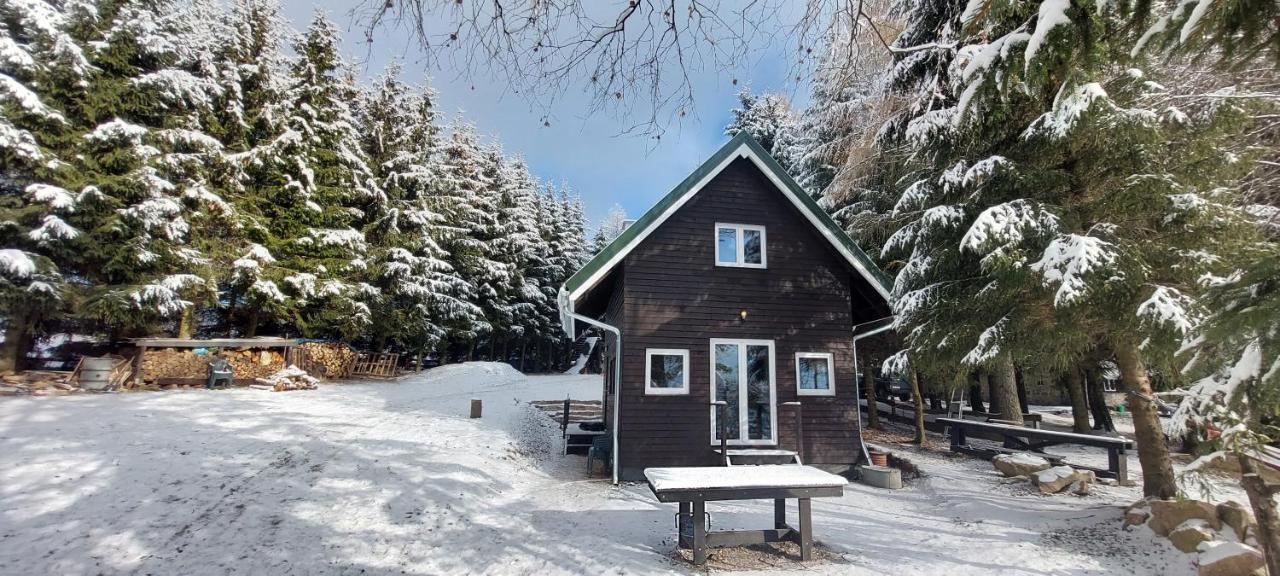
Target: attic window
{"points": [[740, 245]]}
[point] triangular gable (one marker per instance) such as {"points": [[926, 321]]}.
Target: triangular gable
{"points": [[741, 146]]}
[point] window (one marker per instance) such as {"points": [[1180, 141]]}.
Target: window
{"points": [[741, 245], [814, 374], [666, 371]]}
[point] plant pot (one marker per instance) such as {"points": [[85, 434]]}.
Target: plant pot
{"points": [[879, 459]]}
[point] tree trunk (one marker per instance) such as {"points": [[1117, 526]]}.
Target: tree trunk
{"points": [[1262, 499], [252, 329], [185, 322], [873, 407], [1153, 453], [471, 350], [975, 394], [919, 402], [1004, 389], [1096, 396], [1079, 406], [1023, 406], [524, 345], [993, 399], [13, 350]]}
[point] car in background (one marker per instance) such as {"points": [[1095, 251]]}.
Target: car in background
{"points": [[888, 387]]}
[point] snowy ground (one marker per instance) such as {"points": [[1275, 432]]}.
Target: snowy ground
{"points": [[391, 477]]}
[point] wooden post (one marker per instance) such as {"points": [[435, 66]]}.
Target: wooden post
{"points": [[721, 406], [806, 531], [799, 429], [684, 531], [699, 533], [137, 366], [779, 513], [475, 407]]}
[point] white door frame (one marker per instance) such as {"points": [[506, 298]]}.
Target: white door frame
{"points": [[743, 424]]}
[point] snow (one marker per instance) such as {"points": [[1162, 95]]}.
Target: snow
{"points": [[393, 477], [16, 264], [1054, 474], [1053, 13], [1167, 307], [742, 477], [1066, 112], [1221, 550], [1005, 225], [56, 197], [1068, 260]]}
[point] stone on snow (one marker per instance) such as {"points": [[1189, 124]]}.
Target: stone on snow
{"points": [[1019, 464]]}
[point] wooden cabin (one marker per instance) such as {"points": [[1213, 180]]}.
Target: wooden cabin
{"points": [[737, 287]]}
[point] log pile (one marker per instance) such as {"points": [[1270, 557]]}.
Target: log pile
{"points": [[166, 363], [329, 359], [291, 378], [37, 383]]}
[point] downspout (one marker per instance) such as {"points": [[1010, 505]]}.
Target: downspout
{"points": [[857, 382], [565, 308]]}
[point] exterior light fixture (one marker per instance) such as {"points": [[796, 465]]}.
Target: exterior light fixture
{"points": [[742, 315]]}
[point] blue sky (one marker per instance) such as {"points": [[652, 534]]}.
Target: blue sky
{"points": [[584, 150]]}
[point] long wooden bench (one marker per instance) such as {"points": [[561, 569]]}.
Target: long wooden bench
{"points": [[1033, 440]]}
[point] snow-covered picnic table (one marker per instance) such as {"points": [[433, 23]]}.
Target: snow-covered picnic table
{"points": [[693, 487]]}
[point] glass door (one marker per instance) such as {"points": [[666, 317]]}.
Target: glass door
{"points": [[742, 374]]}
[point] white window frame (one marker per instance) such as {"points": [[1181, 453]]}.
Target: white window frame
{"points": [[831, 374], [743, 423], [740, 261], [649, 353]]}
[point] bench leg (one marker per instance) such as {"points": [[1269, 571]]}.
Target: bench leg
{"points": [[684, 528], [1118, 462], [806, 531], [779, 513], [699, 533]]}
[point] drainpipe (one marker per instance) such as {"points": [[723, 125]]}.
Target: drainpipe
{"points": [[857, 382], [617, 378]]}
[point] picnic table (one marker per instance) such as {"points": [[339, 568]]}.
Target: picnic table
{"points": [[1036, 440], [693, 487]]}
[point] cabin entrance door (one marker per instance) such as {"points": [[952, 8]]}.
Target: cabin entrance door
{"points": [[744, 375]]}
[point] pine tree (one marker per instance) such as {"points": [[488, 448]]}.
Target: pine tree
{"points": [[768, 119], [614, 222], [1058, 221]]}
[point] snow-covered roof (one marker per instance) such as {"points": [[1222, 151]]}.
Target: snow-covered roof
{"points": [[741, 146]]}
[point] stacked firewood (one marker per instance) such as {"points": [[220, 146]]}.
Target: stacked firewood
{"points": [[37, 383], [331, 359], [291, 378], [185, 363]]}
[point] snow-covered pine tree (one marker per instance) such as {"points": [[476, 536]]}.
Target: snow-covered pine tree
{"points": [[518, 243], [1118, 228], [768, 118], [312, 188], [610, 227], [406, 262], [467, 201]]}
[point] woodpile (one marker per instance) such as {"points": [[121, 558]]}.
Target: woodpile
{"points": [[329, 359], [37, 383], [165, 363], [291, 378]]}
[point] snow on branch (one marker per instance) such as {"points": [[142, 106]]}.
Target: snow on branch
{"points": [[1069, 260], [1169, 308]]}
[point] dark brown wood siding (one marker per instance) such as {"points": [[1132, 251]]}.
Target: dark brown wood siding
{"points": [[613, 316], [807, 300]]}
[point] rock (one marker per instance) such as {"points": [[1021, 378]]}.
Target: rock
{"points": [[1169, 514], [1188, 535], [1108, 482], [1237, 517], [1080, 487], [1054, 480], [1230, 559], [1136, 516], [1019, 464]]}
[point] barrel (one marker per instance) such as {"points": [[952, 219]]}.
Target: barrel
{"points": [[95, 373]]}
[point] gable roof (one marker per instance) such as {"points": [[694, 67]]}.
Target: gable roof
{"points": [[740, 146]]}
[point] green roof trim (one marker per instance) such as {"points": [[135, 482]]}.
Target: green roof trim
{"points": [[652, 217]]}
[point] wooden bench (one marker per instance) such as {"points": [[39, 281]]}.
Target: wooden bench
{"points": [[693, 487], [1033, 440], [1032, 419]]}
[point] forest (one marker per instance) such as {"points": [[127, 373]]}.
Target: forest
{"points": [[200, 169]]}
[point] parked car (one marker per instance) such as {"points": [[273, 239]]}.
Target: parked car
{"points": [[889, 387]]}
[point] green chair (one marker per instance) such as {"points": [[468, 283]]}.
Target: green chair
{"points": [[219, 371], [602, 448]]}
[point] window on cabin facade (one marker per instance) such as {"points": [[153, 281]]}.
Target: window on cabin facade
{"points": [[814, 372], [741, 245], [666, 371]]}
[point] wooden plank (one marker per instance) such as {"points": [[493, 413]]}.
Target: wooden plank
{"points": [[721, 538], [720, 494], [806, 531]]}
